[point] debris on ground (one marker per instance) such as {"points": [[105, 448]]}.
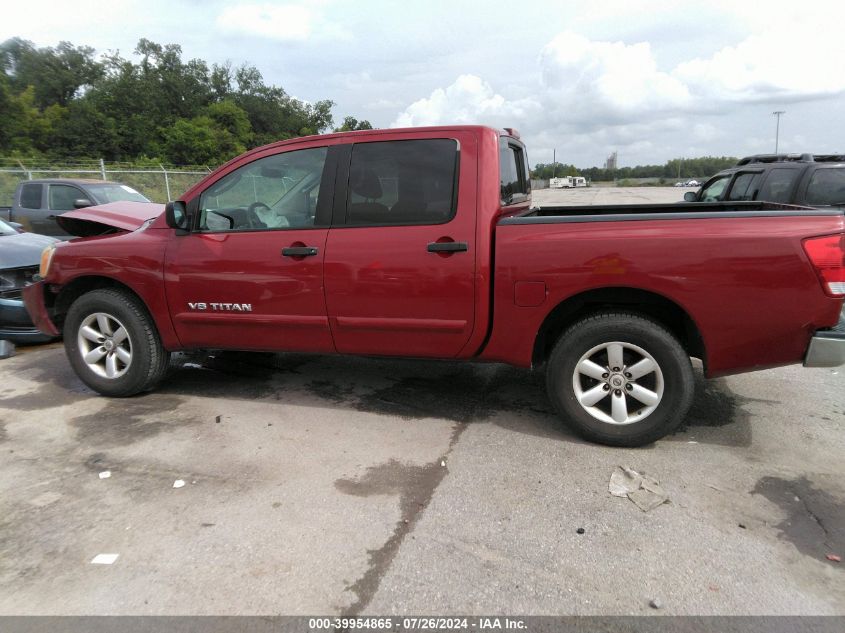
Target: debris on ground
{"points": [[655, 603], [580, 530], [104, 559], [742, 525], [218, 418], [834, 558], [178, 483], [105, 474], [7, 349], [443, 463], [644, 491]]}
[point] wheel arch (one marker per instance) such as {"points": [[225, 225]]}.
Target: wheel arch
{"points": [[71, 291], [634, 300]]}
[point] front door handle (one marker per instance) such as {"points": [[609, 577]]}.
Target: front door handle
{"points": [[447, 247], [299, 251]]}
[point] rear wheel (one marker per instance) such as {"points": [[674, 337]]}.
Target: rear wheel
{"points": [[620, 379], [112, 343]]}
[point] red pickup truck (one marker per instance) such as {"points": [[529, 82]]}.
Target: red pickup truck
{"points": [[422, 243]]}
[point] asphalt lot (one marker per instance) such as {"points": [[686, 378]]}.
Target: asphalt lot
{"points": [[348, 485]]}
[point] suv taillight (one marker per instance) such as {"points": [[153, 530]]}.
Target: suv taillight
{"points": [[827, 254]]}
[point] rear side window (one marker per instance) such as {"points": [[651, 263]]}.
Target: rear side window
{"points": [[402, 182], [62, 197], [513, 173], [778, 186], [31, 196], [827, 187], [745, 187]]}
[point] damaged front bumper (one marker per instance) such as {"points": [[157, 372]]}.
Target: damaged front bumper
{"points": [[33, 298], [827, 347]]}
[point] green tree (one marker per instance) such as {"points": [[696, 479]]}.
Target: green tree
{"points": [[350, 124], [56, 74]]}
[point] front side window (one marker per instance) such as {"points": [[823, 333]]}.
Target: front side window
{"points": [[276, 192], [62, 197], [778, 186], [713, 192], [513, 175], [31, 196], [744, 187], [402, 182], [827, 187]]}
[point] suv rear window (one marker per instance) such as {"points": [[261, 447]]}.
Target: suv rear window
{"points": [[827, 187], [402, 182], [31, 196]]}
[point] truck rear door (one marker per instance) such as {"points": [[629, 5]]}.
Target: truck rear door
{"points": [[400, 257]]}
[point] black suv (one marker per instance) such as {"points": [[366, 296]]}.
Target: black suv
{"points": [[802, 179]]}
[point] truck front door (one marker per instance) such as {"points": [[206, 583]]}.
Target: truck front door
{"points": [[250, 274], [400, 258]]}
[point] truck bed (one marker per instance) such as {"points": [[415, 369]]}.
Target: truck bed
{"points": [[738, 270]]}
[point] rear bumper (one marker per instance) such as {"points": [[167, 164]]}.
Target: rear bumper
{"points": [[827, 347], [33, 298]]}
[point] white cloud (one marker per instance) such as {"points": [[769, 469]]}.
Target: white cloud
{"points": [[468, 100], [606, 80], [795, 60], [278, 22], [613, 94]]}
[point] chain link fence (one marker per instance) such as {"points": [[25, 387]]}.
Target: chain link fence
{"points": [[159, 183]]}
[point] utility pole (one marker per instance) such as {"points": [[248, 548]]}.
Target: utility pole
{"points": [[554, 163], [777, 114], [680, 160]]}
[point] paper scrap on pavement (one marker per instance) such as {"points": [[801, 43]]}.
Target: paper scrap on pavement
{"points": [[644, 491], [105, 474], [178, 483], [104, 559]]}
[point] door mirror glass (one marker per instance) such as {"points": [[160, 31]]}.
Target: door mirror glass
{"points": [[689, 196], [81, 203], [176, 215]]}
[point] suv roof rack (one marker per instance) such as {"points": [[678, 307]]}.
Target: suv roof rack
{"points": [[794, 158]]}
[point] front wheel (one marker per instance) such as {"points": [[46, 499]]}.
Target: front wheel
{"points": [[620, 379], [112, 343]]}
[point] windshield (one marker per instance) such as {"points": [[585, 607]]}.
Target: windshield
{"points": [[115, 193]]}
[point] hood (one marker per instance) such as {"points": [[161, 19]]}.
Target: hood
{"points": [[22, 249], [108, 218]]}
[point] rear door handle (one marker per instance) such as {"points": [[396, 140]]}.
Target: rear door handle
{"points": [[447, 247], [299, 251]]}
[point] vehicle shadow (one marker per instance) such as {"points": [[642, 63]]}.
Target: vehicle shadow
{"points": [[460, 392]]}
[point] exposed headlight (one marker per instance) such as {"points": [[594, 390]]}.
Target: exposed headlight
{"points": [[46, 260]]}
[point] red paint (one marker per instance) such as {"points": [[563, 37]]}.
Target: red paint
{"points": [[746, 283]]}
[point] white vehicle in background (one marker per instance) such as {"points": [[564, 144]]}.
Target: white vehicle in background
{"points": [[566, 182]]}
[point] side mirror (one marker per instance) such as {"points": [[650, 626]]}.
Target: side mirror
{"points": [[16, 225], [689, 196], [81, 203], [176, 215]]}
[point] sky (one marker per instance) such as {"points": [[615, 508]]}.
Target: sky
{"points": [[650, 79]]}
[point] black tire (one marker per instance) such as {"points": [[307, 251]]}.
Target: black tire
{"points": [[148, 359], [633, 332]]}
